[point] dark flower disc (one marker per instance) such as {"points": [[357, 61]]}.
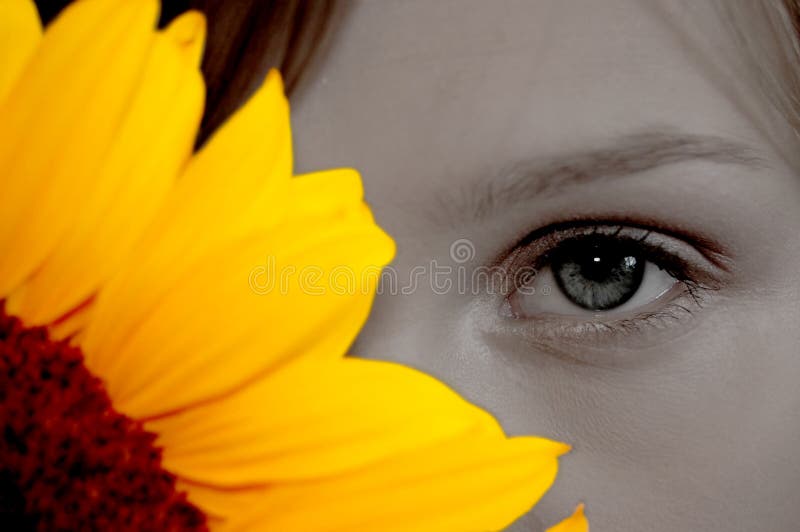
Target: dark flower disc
{"points": [[68, 460]]}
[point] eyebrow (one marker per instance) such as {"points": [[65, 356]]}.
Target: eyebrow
{"points": [[624, 157]]}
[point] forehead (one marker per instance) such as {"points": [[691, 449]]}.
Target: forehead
{"points": [[415, 93]]}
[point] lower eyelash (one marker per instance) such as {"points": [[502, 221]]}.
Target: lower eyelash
{"points": [[673, 312], [682, 307], [614, 344]]}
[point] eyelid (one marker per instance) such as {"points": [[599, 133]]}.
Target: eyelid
{"points": [[681, 259], [711, 250]]}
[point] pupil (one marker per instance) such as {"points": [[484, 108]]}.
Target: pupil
{"points": [[598, 272]]}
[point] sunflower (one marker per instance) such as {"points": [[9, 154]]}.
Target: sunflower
{"points": [[150, 376]]}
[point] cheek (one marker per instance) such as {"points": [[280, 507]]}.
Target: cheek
{"points": [[707, 430]]}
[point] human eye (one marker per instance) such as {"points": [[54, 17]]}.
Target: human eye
{"points": [[597, 279]]}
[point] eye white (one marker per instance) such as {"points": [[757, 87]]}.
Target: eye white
{"points": [[543, 295]]}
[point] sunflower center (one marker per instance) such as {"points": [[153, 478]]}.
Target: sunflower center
{"points": [[68, 460]]}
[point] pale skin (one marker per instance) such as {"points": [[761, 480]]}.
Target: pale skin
{"points": [[682, 416]]}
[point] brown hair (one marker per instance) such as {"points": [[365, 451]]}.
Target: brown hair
{"points": [[245, 39]]}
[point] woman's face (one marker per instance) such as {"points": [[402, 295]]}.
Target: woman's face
{"points": [[597, 231]]}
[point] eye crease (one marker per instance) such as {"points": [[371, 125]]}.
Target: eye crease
{"points": [[602, 274]]}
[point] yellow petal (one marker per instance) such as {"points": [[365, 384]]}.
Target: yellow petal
{"points": [[473, 482], [577, 522], [188, 32], [71, 325], [235, 186], [60, 120], [332, 193], [20, 32], [213, 329], [150, 147], [241, 176], [312, 419]]}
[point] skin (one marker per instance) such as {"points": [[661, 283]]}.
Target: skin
{"points": [[683, 423]]}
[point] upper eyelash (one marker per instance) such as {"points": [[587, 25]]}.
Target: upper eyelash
{"points": [[716, 254], [672, 264]]}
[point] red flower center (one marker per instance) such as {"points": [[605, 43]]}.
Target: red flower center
{"points": [[68, 460]]}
